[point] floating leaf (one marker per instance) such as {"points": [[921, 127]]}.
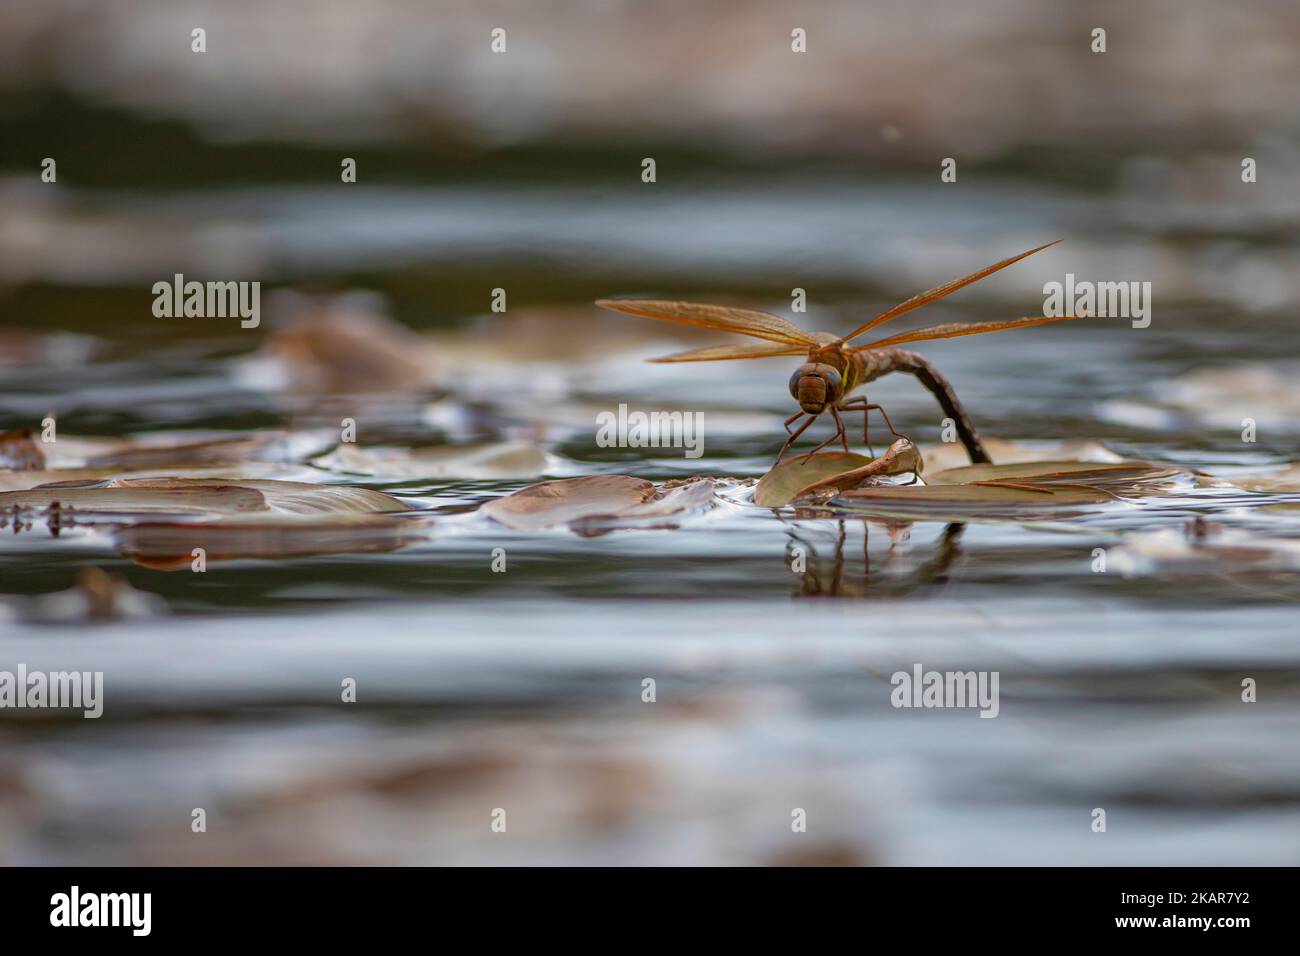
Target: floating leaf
{"points": [[1054, 472], [827, 472], [87, 477], [900, 458], [204, 496], [783, 483], [938, 502], [596, 504], [210, 498], [499, 461]]}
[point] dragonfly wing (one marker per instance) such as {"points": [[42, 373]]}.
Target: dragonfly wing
{"points": [[760, 325], [925, 298], [718, 353], [955, 329]]}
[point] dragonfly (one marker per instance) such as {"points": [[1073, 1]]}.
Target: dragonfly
{"points": [[835, 369]]}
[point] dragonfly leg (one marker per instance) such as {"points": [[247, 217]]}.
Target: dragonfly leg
{"points": [[866, 407], [838, 434], [844, 435], [860, 405], [794, 434], [888, 423]]}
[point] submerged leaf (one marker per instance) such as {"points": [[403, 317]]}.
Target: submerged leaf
{"points": [[665, 510]]}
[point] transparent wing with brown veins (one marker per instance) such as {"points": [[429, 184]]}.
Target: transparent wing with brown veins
{"points": [[938, 292], [759, 325], [954, 330], [718, 353]]}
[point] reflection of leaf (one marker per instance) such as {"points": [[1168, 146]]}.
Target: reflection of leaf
{"points": [[499, 461], [97, 596], [783, 483], [597, 504], [168, 546], [205, 496], [1221, 550]]}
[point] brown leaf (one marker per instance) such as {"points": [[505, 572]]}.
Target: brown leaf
{"points": [[899, 458], [992, 500], [205, 496], [784, 481]]}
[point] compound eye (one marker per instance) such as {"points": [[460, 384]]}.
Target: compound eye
{"points": [[794, 383], [832, 378]]}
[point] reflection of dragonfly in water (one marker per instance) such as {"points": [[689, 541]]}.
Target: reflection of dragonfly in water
{"points": [[815, 582], [834, 370]]}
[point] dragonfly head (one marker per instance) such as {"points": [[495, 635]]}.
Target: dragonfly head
{"points": [[814, 386]]}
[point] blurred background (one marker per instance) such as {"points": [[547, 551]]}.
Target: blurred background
{"points": [[775, 170]]}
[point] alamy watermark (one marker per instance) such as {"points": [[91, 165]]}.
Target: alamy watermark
{"points": [[1122, 300], [57, 690], [130, 910], [212, 300], [637, 429], [922, 688]]}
